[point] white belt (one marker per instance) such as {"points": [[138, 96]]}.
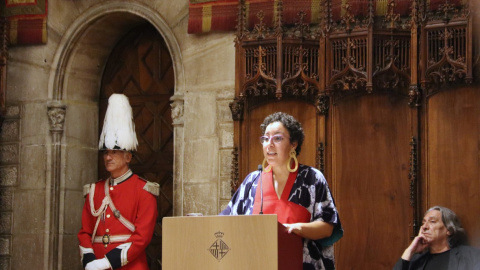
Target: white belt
{"points": [[109, 239]]}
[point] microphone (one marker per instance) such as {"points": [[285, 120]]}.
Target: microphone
{"points": [[261, 189]]}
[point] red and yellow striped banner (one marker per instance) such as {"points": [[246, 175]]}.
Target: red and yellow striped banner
{"points": [[212, 16], [208, 15], [205, 16], [28, 21]]}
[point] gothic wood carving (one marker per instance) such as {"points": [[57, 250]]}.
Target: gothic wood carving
{"points": [[323, 104], [414, 96], [274, 62], [321, 157], [371, 52], [236, 106], [399, 47], [413, 177], [447, 52], [234, 181]]}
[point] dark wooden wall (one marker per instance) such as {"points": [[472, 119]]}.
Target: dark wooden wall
{"points": [[389, 107]]}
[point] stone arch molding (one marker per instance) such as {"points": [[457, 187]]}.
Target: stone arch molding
{"points": [[75, 79], [135, 12]]}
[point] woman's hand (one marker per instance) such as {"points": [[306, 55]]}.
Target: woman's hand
{"points": [[313, 230], [296, 228]]}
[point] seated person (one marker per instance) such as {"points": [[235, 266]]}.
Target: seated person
{"points": [[440, 245]]}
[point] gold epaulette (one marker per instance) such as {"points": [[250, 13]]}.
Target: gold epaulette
{"points": [[86, 188], [152, 187]]}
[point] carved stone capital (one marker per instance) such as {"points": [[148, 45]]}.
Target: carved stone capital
{"points": [[56, 116], [3, 41], [3, 66], [177, 110]]}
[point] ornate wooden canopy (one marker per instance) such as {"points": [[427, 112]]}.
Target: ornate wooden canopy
{"points": [[355, 48], [344, 48]]}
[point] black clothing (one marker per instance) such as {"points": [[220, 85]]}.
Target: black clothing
{"points": [[461, 258], [438, 261]]}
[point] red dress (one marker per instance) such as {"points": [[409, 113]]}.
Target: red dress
{"points": [[287, 212], [136, 205]]}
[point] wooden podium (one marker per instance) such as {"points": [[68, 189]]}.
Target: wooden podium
{"points": [[229, 242]]}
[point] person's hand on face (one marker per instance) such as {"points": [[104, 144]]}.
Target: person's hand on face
{"points": [[420, 243]]}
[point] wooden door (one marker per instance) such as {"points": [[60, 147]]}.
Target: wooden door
{"points": [[452, 136], [370, 137], [140, 67]]}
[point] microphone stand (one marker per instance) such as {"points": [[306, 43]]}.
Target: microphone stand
{"points": [[261, 190]]}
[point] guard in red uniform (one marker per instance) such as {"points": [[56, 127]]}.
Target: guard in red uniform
{"points": [[120, 212]]}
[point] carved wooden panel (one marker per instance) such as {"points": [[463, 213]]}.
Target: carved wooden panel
{"points": [[370, 68], [141, 67], [391, 62], [370, 174], [348, 64], [452, 139]]}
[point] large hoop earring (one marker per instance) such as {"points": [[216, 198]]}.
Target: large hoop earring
{"points": [[293, 154], [267, 168]]}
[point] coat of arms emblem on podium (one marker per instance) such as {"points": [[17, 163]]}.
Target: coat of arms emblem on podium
{"points": [[219, 249]]}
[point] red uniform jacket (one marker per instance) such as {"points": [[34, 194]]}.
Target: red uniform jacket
{"points": [[136, 205]]}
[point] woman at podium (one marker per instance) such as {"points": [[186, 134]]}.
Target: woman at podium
{"points": [[296, 193]]}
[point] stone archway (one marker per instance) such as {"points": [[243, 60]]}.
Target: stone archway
{"points": [[74, 90], [140, 67]]}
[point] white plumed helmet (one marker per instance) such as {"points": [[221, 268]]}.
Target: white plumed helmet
{"points": [[118, 127]]}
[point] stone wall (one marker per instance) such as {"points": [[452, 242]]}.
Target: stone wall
{"points": [[43, 168], [9, 166]]}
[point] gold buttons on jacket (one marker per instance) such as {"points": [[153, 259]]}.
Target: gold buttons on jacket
{"points": [[108, 216], [111, 188], [107, 230]]}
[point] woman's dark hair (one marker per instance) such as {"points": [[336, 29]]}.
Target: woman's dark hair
{"points": [[294, 127], [457, 235]]}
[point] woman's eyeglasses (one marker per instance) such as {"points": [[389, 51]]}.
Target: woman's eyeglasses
{"points": [[276, 139]]}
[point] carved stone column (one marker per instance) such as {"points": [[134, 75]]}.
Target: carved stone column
{"points": [[9, 171], [56, 115], [179, 146], [3, 66]]}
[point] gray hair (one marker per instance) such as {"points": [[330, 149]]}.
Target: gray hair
{"points": [[454, 226]]}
